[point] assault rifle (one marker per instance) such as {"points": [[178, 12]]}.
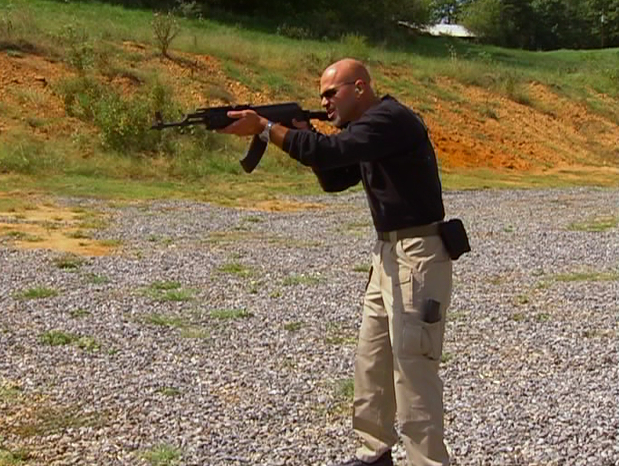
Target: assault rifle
{"points": [[217, 118]]}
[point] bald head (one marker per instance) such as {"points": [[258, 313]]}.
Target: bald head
{"points": [[348, 69], [346, 91]]}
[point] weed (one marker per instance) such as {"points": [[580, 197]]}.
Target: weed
{"points": [[47, 421], [293, 326], [230, 314], [13, 457], [345, 390], [595, 224], [79, 313], [22, 236], [196, 333], [169, 391], [446, 357], [168, 291], [164, 320], [523, 299], [97, 279], [235, 268], [69, 261], [57, 338], [162, 455], [165, 29], [38, 292], [365, 268], [8, 392]]}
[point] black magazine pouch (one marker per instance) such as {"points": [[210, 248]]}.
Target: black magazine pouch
{"points": [[454, 237]]}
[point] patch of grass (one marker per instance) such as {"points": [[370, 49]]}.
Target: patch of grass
{"points": [[253, 219], [111, 243], [542, 285], [165, 285], [162, 455], [518, 316], [38, 292], [194, 332], [69, 261], [163, 320], [293, 326], [80, 234], [523, 299], [542, 317], [588, 276], [168, 391], [187, 330], [22, 236], [168, 291], [345, 390], [446, 357], [57, 338], [97, 279], [236, 268], [230, 314], [9, 392], [302, 279], [79, 313], [365, 268], [457, 316], [13, 457], [51, 420], [88, 344], [62, 338], [595, 224]]}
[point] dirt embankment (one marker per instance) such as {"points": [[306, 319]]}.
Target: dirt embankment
{"points": [[480, 129]]}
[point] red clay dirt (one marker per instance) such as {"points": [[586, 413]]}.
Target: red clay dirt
{"points": [[553, 132]]}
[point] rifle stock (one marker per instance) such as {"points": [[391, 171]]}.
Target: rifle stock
{"points": [[214, 118]]}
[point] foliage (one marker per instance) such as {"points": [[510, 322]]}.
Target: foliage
{"points": [[545, 24], [124, 123], [165, 30]]}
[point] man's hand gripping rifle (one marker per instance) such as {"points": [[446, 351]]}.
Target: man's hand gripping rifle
{"points": [[214, 118]]}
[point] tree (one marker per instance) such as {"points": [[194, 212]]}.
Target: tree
{"points": [[483, 17]]}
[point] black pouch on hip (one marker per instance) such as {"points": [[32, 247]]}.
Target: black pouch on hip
{"points": [[454, 237]]}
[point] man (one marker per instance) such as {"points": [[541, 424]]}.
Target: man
{"points": [[386, 146]]}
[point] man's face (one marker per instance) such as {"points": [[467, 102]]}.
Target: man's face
{"points": [[337, 97]]}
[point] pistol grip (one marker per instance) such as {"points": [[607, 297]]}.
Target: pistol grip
{"points": [[254, 154]]}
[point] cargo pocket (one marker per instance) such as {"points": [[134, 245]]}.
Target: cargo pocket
{"points": [[421, 338]]}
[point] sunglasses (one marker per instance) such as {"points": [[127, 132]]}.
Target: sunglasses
{"points": [[330, 93]]}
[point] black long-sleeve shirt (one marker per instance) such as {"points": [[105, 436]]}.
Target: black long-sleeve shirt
{"points": [[389, 149]]}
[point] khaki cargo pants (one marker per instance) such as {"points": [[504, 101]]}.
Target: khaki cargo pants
{"points": [[398, 355]]}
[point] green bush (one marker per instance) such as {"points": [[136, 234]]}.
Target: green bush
{"points": [[80, 52], [124, 123]]}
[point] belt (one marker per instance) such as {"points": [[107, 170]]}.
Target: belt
{"points": [[430, 229]]}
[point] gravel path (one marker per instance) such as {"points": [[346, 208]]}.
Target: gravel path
{"points": [[226, 337]]}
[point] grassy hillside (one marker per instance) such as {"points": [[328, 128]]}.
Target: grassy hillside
{"points": [[79, 83]]}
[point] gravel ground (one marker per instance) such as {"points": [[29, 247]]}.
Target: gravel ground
{"points": [[222, 337]]}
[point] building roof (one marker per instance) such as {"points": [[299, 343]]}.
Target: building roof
{"points": [[454, 30]]}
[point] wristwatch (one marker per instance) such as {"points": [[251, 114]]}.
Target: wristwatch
{"points": [[266, 132]]}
